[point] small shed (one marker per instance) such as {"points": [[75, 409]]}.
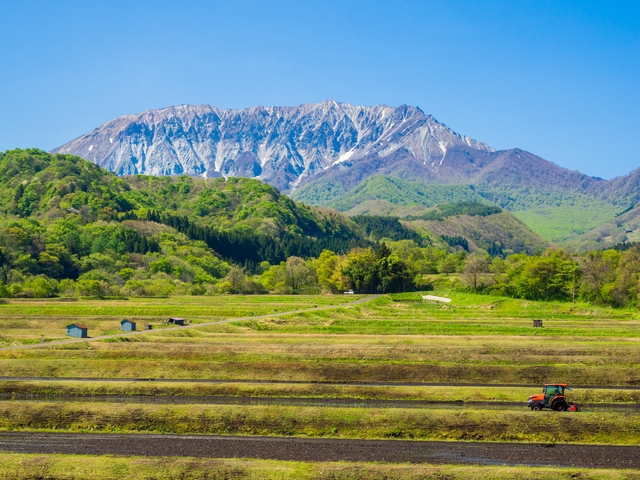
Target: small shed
{"points": [[127, 325], [77, 330], [537, 323], [178, 321]]}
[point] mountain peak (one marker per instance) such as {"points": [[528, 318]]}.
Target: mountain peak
{"points": [[280, 145]]}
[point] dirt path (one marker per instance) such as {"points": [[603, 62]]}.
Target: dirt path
{"points": [[195, 325], [298, 449]]}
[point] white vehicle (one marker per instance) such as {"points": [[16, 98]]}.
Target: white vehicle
{"points": [[349, 292]]}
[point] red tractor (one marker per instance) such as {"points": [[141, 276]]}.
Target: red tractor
{"points": [[553, 397]]}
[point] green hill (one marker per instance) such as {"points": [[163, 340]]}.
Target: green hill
{"points": [[456, 213], [386, 188], [555, 214], [624, 228], [477, 226], [63, 219]]}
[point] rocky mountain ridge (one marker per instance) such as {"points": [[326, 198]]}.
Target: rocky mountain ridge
{"points": [[325, 153], [283, 146]]}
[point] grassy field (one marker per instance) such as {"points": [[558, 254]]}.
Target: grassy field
{"points": [[32, 320], [480, 339], [326, 422], [395, 338], [340, 358], [560, 224], [68, 467], [430, 394]]}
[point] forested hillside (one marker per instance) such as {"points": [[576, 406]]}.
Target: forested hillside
{"points": [[477, 226], [69, 228], [557, 214], [395, 190]]}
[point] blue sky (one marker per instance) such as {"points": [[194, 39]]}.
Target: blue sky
{"points": [[560, 79]]}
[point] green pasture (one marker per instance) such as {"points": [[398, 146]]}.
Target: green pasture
{"points": [[35, 320], [466, 315], [564, 223]]}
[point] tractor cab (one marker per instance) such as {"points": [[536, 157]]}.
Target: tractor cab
{"points": [[553, 393], [553, 397]]}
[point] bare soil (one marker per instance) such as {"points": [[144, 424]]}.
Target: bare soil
{"points": [[323, 450]]}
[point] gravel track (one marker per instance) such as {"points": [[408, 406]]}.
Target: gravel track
{"points": [[323, 450]]}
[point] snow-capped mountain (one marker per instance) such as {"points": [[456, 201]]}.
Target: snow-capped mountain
{"points": [[283, 146]]}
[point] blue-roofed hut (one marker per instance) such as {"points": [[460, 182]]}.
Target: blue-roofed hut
{"points": [[77, 330], [127, 326]]}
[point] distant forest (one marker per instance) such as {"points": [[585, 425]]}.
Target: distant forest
{"points": [[69, 228]]}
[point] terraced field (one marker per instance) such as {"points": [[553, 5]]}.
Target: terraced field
{"points": [[393, 348]]}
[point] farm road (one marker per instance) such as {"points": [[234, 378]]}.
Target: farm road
{"points": [[319, 450], [195, 325]]}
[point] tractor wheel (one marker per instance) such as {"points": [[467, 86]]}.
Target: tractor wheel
{"points": [[535, 407], [560, 406]]}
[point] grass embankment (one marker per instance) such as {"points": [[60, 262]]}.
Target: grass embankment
{"points": [[429, 394], [354, 423], [339, 358], [14, 466]]}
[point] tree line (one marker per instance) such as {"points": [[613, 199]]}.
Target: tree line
{"points": [[250, 249], [165, 255]]}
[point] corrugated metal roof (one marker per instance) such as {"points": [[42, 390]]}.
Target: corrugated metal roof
{"points": [[76, 325]]}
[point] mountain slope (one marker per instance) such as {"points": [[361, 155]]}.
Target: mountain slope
{"points": [[554, 213], [394, 190], [332, 154], [241, 219], [498, 233], [280, 145], [624, 227]]}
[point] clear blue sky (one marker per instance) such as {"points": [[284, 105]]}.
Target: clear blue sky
{"points": [[560, 79]]}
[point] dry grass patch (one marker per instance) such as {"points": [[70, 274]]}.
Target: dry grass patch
{"points": [[14, 466], [382, 423]]}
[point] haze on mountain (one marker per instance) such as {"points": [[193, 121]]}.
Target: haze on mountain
{"points": [[327, 153]]}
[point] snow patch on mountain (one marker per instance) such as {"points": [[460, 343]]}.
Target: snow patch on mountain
{"points": [[280, 145]]}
